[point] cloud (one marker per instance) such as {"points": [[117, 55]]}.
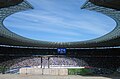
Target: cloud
{"points": [[63, 18]]}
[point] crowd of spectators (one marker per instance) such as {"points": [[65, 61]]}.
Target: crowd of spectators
{"points": [[31, 61], [36, 61], [67, 62]]}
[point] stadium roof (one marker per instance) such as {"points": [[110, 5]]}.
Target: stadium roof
{"points": [[115, 4], [7, 3], [109, 40]]}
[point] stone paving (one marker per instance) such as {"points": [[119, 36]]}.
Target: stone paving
{"points": [[8, 76]]}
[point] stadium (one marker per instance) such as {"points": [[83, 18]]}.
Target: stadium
{"points": [[99, 56]]}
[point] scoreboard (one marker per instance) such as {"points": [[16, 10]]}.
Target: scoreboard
{"points": [[61, 51]]}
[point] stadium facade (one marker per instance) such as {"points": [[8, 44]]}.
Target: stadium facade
{"points": [[102, 52]]}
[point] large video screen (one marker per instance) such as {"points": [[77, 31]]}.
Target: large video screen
{"points": [[61, 50]]}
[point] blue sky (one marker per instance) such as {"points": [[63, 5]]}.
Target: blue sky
{"points": [[59, 21]]}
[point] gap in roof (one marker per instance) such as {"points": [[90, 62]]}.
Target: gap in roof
{"points": [[59, 21]]}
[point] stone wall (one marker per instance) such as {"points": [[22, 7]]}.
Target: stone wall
{"points": [[47, 71]]}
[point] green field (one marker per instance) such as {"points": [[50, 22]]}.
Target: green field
{"points": [[79, 71]]}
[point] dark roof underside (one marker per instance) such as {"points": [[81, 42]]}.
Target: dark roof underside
{"points": [[115, 4], [7, 3]]}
